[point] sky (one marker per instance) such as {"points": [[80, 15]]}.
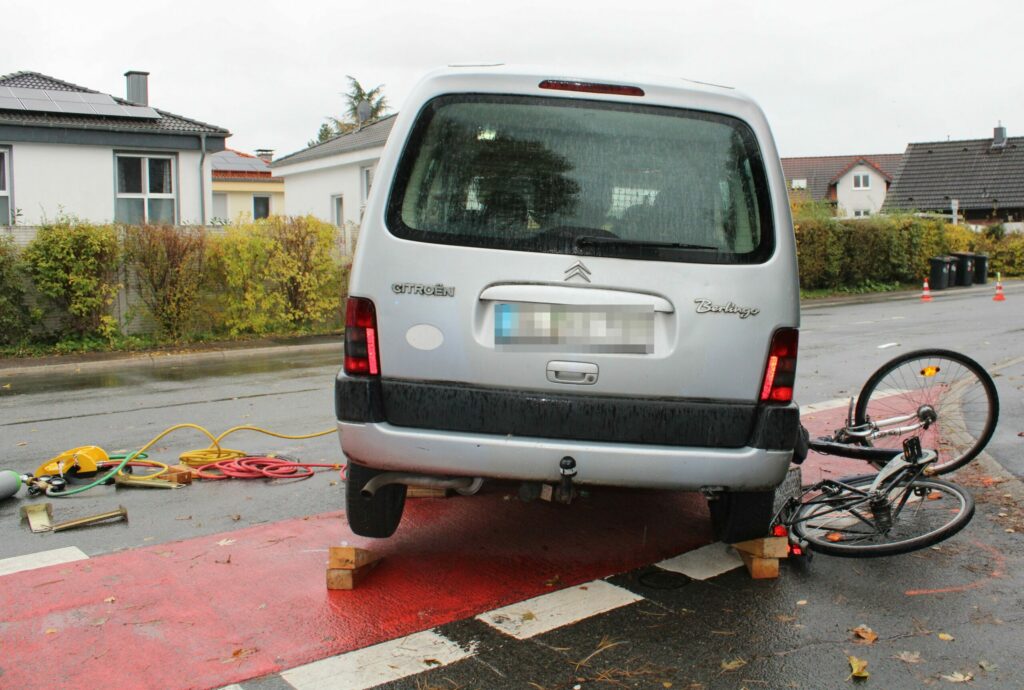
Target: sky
{"points": [[834, 77]]}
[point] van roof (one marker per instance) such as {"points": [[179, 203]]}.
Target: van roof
{"points": [[525, 79]]}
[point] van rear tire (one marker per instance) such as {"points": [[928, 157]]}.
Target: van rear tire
{"points": [[376, 516], [741, 515]]}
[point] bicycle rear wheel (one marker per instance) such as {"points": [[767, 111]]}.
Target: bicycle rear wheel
{"points": [[946, 386], [846, 523]]}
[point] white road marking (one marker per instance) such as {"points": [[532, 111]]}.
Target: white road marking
{"points": [[704, 563], [549, 611], [17, 564], [381, 663], [824, 405]]}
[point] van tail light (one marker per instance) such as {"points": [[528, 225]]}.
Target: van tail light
{"points": [[780, 370], [589, 87], [361, 353]]}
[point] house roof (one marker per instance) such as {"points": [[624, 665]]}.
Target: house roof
{"points": [[979, 176], [167, 123], [370, 136], [823, 171], [233, 164]]}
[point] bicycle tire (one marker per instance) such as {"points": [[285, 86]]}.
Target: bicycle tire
{"points": [[960, 391], [818, 521]]}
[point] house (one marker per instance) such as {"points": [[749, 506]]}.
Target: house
{"points": [[243, 186], [856, 185], [331, 180], [983, 178], [67, 149]]}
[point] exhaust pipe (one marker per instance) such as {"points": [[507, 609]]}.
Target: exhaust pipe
{"points": [[410, 479]]}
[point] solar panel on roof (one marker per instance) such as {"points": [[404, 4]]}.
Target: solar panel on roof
{"points": [[112, 109], [8, 103], [62, 96], [141, 112], [39, 105], [98, 98], [77, 108], [22, 92]]}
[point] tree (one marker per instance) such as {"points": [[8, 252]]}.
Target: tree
{"points": [[349, 121], [325, 133]]}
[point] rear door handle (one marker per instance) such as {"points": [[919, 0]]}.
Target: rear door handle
{"points": [[579, 373]]}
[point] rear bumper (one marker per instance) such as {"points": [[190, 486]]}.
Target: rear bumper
{"points": [[462, 430], [387, 447]]}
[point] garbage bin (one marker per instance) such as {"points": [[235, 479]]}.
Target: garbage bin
{"points": [[952, 263], [981, 268], [938, 277], [965, 268]]}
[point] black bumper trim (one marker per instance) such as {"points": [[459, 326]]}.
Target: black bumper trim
{"points": [[538, 414]]}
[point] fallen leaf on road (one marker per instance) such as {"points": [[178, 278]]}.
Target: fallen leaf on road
{"points": [[528, 616], [802, 602], [432, 662], [733, 664], [236, 517], [987, 665], [7, 386], [946, 637], [110, 600], [958, 677], [239, 654], [783, 618], [858, 668], [226, 542], [23, 443], [183, 517], [866, 634], [51, 631], [909, 657], [553, 582], [98, 622]]}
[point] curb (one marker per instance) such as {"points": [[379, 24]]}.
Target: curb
{"points": [[908, 295], [151, 359]]}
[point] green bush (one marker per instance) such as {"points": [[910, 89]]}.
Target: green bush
{"points": [[277, 274], [15, 317], [74, 265], [165, 266], [851, 254]]}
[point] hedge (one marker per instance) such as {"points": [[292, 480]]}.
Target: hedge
{"points": [[278, 275]]}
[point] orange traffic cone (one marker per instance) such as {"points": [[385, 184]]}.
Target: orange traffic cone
{"points": [[999, 296], [926, 294]]}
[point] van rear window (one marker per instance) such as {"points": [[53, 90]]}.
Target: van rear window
{"points": [[583, 177]]}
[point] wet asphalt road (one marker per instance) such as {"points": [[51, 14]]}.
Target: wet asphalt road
{"points": [[688, 634]]}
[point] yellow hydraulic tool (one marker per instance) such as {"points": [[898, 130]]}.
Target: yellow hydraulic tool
{"points": [[81, 460]]}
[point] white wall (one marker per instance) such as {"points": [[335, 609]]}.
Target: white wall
{"points": [[49, 179], [870, 199], [310, 187]]}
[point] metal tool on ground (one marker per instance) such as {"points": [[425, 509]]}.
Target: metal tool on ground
{"points": [[38, 516], [156, 483], [111, 516], [347, 566]]}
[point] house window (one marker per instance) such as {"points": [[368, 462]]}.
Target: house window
{"points": [[260, 206], [220, 209], [5, 190], [145, 189], [798, 183], [338, 210], [862, 181], [367, 175], [861, 213]]}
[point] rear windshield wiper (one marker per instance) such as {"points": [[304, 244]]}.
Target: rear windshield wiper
{"points": [[593, 240]]}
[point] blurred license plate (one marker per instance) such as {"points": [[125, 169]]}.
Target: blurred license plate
{"points": [[623, 329]]}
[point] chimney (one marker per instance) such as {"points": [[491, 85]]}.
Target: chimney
{"points": [[138, 87], [266, 155], [999, 136]]}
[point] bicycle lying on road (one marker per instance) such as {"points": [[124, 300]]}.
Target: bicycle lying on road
{"points": [[938, 397]]}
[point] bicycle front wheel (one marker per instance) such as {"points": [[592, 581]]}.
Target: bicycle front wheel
{"points": [[945, 391], [910, 515]]}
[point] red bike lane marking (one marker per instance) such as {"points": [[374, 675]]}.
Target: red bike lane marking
{"points": [[215, 610]]}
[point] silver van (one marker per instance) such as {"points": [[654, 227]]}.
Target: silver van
{"points": [[563, 280]]}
